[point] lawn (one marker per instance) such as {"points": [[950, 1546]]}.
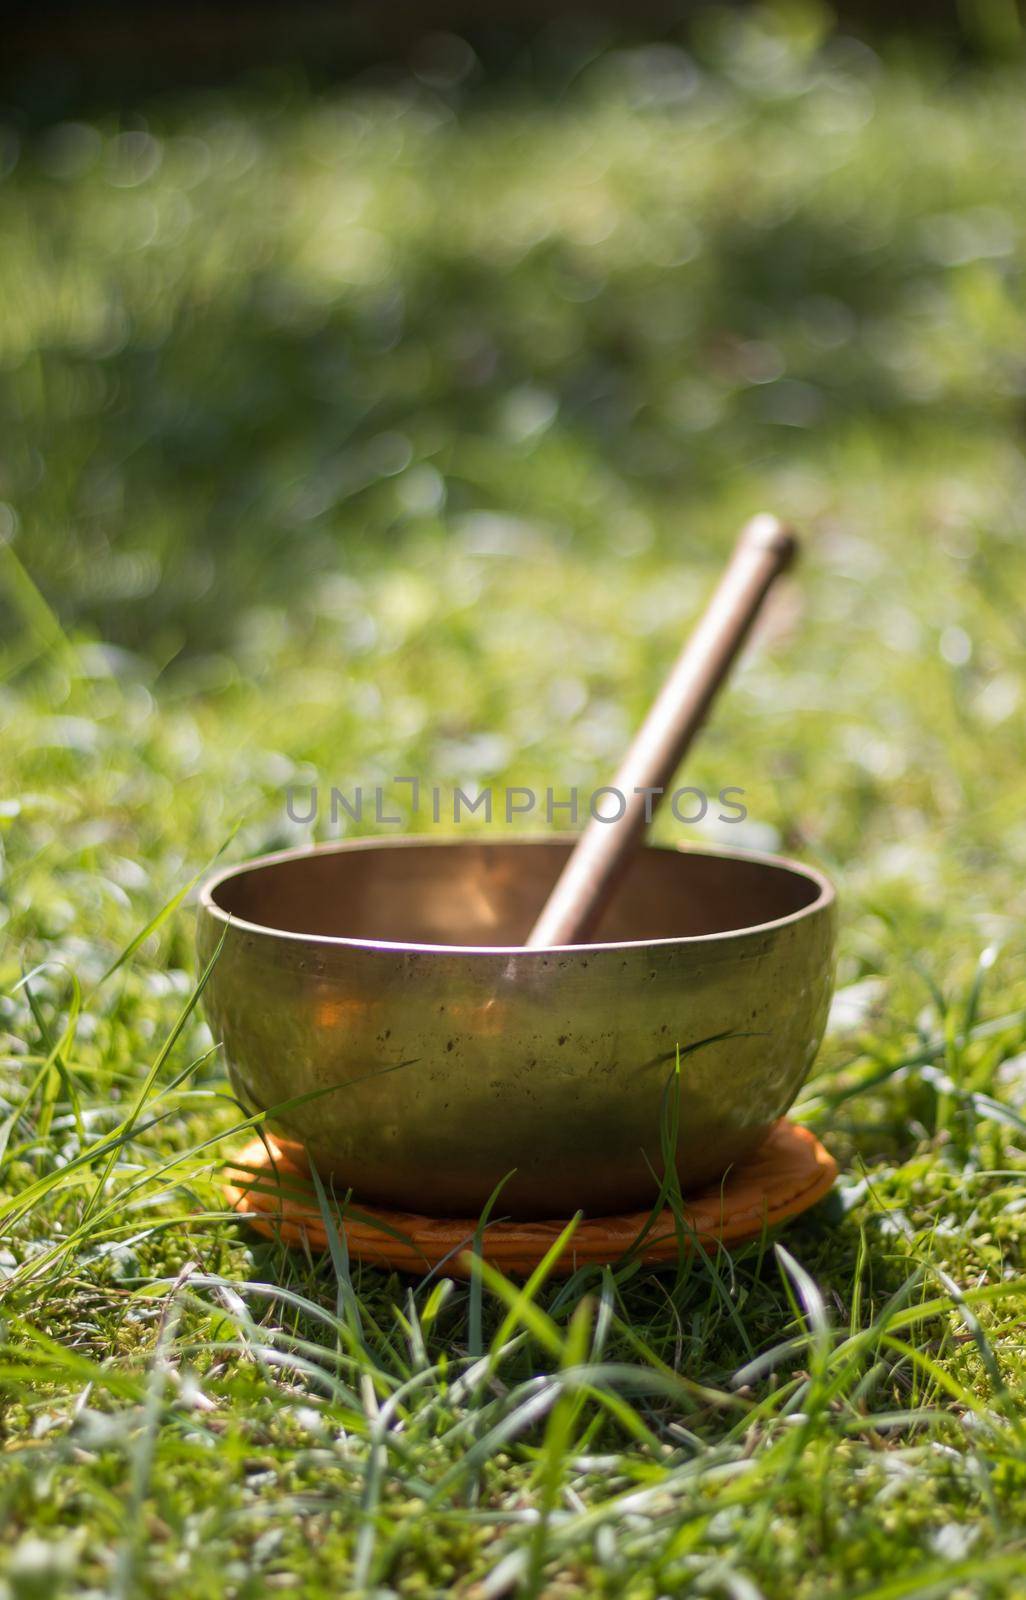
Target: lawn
{"points": [[401, 427]]}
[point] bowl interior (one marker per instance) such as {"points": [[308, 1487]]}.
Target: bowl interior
{"points": [[478, 893]]}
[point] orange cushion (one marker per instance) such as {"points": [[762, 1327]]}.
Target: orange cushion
{"points": [[788, 1173]]}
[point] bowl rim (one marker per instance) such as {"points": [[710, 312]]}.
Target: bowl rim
{"points": [[208, 905]]}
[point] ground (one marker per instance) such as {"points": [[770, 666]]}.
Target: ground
{"points": [[401, 426]]}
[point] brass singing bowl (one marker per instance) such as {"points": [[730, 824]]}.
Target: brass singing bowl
{"points": [[385, 982]]}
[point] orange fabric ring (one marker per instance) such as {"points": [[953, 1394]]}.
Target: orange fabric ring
{"points": [[788, 1173]]}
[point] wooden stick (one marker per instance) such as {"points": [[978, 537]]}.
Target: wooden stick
{"points": [[764, 550]]}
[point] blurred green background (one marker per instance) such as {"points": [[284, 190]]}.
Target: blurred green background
{"points": [[400, 424]]}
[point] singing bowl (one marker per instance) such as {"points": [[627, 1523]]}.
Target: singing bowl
{"points": [[377, 994]]}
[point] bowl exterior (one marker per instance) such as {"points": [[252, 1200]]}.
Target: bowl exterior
{"points": [[422, 1077]]}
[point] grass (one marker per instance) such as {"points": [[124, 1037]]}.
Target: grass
{"points": [[401, 428]]}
